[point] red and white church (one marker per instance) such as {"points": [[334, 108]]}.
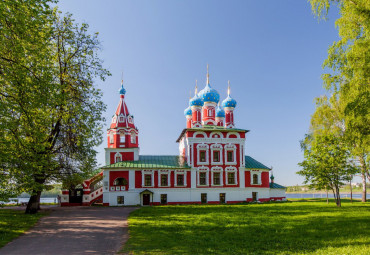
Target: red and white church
{"points": [[211, 166]]}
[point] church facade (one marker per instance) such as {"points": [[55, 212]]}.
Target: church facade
{"points": [[211, 166]]}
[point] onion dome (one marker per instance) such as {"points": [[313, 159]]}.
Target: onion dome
{"points": [[188, 111], [229, 102], [196, 101], [122, 91], [209, 94], [220, 113]]}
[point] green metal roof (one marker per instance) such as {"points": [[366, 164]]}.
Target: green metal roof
{"points": [[150, 162], [254, 164], [276, 186]]}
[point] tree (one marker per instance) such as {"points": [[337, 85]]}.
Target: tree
{"points": [[349, 61], [326, 163], [50, 111]]}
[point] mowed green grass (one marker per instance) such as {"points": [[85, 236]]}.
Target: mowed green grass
{"points": [[271, 228], [14, 223]]}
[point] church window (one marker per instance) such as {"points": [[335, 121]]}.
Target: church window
{"points": [[163, 199], [111, 138], [203, 198], [255, 178], [133, 137], [230, 156], [202, 179], [148, 180], [180, 180], [120, 200], [118, 157], [231, 178], [216, 179], [216, 156], [120, 182], [164, 180], [122, 138], [210, 112], [202, 156]]}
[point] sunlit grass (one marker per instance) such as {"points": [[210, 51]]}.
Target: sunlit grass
{"points": [[14, 223], [272, 228]]}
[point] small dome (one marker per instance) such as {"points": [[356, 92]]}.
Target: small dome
{"points": [[229, 102], [196, 101], [188, 111], [220, 113], [122, 91], [209, 94]]}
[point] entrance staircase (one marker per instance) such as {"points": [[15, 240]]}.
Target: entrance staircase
{"points": [[92, 193]]}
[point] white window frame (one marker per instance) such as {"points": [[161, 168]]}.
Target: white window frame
{"points": [[164, 172], [259, 182], [121, 118], [230, 147], [180, 172], [133, 137], [217, 169], [231, 169], [111, 138], [202, 147], [117, 155], [147, 172], [203, 170], [122, 135], [216, 147]]}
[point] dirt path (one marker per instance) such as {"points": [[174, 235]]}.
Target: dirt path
{"points": [[75, 230]]}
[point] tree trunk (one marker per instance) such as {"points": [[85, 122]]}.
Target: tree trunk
{"points": [[350, 186], [327, 196], [363, 177], [337, 196], [34, 203]]}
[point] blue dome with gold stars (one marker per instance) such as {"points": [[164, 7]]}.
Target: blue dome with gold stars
{"points": [[220, 113], [196, 101], [209, 94], [188, 111], [229, 102], [122, 91]]}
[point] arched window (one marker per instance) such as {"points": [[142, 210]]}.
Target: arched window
{"points": [[133, 137], [210, 112], [255, 179], [122, 138], [120, 182], [118, 157], [111, 138]]}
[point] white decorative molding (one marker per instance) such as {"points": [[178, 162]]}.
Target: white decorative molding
{"points": [[231, 169], [216, 147], [230, 147], [180, 172], [200, 133], [147, 172], [164, 172], [217, 169], [202, 147], [117, 156], [203, 169], [258, 173]]}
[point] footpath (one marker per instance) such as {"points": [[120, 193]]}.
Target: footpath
{"points": [[74, 230]]}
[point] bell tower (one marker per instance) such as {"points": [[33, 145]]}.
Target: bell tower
{"points": [[123, 135]]}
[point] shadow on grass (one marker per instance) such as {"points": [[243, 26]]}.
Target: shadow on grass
{"points": [[244, 229]]}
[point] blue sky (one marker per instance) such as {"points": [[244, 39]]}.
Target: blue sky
{"points": [[271, 51]]}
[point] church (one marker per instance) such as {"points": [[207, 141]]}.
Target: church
{"points": [[211, 167]]}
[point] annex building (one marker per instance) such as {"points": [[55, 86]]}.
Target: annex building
{"points": [[211, 166]]}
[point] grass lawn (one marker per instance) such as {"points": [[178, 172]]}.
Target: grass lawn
{"points": [[271, 228], [14, 222]]}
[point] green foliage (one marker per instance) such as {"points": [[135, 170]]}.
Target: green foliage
{"points": [[50, 110], [274, 228], [13, 223]]}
